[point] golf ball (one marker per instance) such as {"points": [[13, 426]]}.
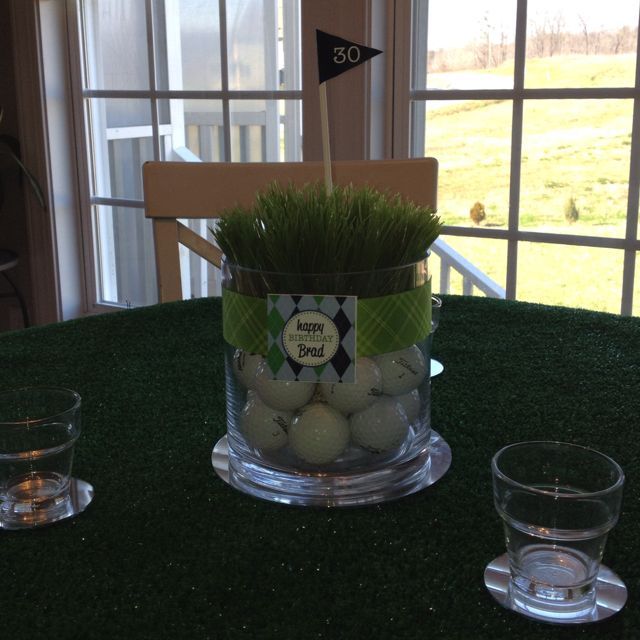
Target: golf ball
{"points": [[411, 404], [281, 394], [352, 397], [245, 366], [263, 427], [319, 434], [402, 371], [380, 427]]}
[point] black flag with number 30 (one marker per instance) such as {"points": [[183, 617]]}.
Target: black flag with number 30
{"points": [[337, 55]]}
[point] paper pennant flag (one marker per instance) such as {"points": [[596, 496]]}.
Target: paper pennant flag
{"points": [[337, 55]]}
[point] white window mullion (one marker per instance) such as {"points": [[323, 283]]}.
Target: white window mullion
{"points": [[516, 149], [418, 74], [633, 201], [292, 108], [270, 39], [174, 71], [224, 78], [96, 118], [152, 79]]}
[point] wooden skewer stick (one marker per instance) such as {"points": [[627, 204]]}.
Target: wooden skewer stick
{"points": [[326, 148]]}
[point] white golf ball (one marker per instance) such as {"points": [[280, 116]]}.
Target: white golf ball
{"points": [[263, 427], [319, 434], [356, 396], [380, 427], [282, 394], [411, 404], [245, 365], [402, 371]]}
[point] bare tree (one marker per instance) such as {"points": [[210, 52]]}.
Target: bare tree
{"points": [[539, 31], [504, 47], [585, 33], [556, 33], [622, 40], [617, 41], [483, 50]]}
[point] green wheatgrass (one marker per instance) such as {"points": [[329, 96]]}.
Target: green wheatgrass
{"points": [[292, 234]]}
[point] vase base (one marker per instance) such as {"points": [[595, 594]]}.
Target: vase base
{"points": [[335, 490]]}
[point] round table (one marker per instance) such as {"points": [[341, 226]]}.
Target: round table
{"points": [[169, 550]]}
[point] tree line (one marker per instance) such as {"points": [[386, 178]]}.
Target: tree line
{"points": [[546, 37]]}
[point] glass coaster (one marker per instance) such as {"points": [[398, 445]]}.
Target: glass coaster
{"points": [[80, 495], [439, 450], [611, 593], [436, 368]]}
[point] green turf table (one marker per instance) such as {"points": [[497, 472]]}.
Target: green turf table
{"points": [[167, 550]]}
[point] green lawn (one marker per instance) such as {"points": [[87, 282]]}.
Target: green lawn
{"points": [[552, 274], [571, 148]]}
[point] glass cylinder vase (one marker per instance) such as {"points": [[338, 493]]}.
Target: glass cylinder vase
{"points": [[327, 383]]}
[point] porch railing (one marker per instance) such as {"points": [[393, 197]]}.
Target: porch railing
{"points": [[472, 277]]}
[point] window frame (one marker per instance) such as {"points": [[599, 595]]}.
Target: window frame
{"points": [[370, 125], [405, 94], [62, 243], [94, 260]]}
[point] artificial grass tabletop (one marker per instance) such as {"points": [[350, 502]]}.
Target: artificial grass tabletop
{"points": [[167, 550]]}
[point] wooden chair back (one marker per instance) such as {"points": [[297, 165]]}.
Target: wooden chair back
{"points": [[190, 190]]}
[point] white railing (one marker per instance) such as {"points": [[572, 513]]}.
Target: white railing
{"points": [[200, 279], [132, 235], [472, 277]]}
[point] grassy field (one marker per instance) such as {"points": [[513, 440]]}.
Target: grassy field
{"points": [[571, 149]]}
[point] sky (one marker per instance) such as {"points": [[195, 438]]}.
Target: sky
{"points": [[454, 23]]}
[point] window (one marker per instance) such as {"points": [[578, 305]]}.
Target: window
{"points": [[185, 80], [531, 107], [533, 110]]}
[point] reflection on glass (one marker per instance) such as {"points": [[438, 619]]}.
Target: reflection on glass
{"points": [[589, 277], [575, 166], [472, 141], [126, 260], [188, 45], [464, 45], [197, 131], [581, 44], [121, 141], [487, 255], [118, 32], [257, 59], [251, 52], [265, 130], [193, 46]]}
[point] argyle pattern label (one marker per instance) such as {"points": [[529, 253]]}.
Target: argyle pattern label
{"points": [[386, 323], [302, 329]]}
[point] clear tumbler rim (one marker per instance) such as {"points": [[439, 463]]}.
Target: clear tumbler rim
{"points": [[74, 404], [324, 274], [553, 494]]}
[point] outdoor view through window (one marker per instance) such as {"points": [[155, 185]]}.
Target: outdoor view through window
{"points": [[528, 105], [561, 116], [181, 80]]}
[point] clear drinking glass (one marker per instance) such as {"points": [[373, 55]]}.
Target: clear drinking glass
{"points": [[558, 502], [38, 429]]}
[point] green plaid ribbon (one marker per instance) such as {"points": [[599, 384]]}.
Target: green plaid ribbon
{"points": [[244, 321], [384, 324]]}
